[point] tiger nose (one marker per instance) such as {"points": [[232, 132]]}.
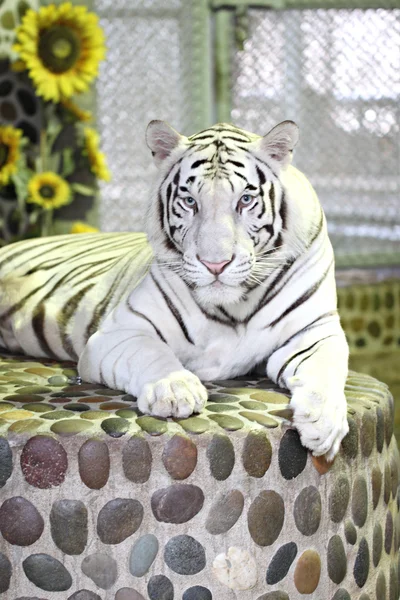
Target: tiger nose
{"points": [[215, 268]]}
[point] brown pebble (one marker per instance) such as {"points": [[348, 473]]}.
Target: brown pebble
{"points": [[20, 522], [180, 457], [94, 464], [44, 462], [307, 572], [137, 459]]}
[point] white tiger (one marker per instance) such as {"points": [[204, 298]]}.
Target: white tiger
{"points": [[242, 272]]}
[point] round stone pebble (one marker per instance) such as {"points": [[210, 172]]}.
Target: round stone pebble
{"points": [[180, 457], [380, 429], [350, 532], [220, 408], [261, 419], [128, 594], [281, 563], [376, 486], [34, 389], [222, 398], [292, 455], [177, 503], [137, 460], [70, 427], [307, 510], [160, 588], [47, 573], [26, 426], [119, 519], [77, 407], [307, 572], [224, 512], [377, 544], [265, 517], [221, 456], [197, 592], [195, 425], [5, 573], [227, 422], [394, 474], [151, 425], [42, 371], [257, 454], [269, 397], [94, 463], [69, 526], [339, 499], [341, 594], [393, 584], [44, 462], [388, 532], [367, 433], [359, 501], [56, 415], [387, 484], [350, 442], [38, 407], [58, 380], [236, 569], [93, 415], [112, 405], [336, 559], [361, 565], [185, 555], [143, 553], [5, 461], [21, 524], [115, 426], [380, 587], [101, 569], [84, 595]]}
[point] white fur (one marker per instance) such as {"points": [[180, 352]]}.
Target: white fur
{"points": [[143, 347]]}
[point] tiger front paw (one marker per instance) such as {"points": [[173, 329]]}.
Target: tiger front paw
{"points": [[320, 418], [179, 394]]}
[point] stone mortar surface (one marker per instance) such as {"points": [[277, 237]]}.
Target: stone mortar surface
{"points": [[100, 502]]}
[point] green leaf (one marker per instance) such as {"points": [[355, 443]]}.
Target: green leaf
{"points": [[85, 190], [68, 162]]}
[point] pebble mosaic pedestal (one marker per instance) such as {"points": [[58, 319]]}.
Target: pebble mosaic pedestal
{"points": [[100, 502]]}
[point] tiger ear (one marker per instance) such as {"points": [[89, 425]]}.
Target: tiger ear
{"points": [[162, 139], [280, 141]]}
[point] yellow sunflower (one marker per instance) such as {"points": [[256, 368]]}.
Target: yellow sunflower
{"points": [[48, 190], [9, 152], [61, 47], [97, 159], [80, 227]]}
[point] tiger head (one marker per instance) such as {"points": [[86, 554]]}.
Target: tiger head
{"points": [[219, 215]]}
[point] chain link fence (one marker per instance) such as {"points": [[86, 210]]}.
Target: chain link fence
{"points": [[337, 74], [156, 68]]}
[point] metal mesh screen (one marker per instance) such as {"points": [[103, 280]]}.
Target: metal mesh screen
{"points": [[156, 68], [337, 74]]}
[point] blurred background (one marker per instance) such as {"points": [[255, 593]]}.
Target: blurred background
{"points": [[331, 66]]}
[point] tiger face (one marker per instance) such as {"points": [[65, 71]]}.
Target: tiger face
{"points": [[218, 216]]}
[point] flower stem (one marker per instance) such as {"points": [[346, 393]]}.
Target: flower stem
{"points": [[43, 150], [47, 223]]}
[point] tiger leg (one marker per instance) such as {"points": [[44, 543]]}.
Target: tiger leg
{"points": [[135, 360], [315, 372]]}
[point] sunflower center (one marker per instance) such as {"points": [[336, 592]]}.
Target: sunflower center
{"points": [[4, 151], [47, 191], [59, 48]]}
